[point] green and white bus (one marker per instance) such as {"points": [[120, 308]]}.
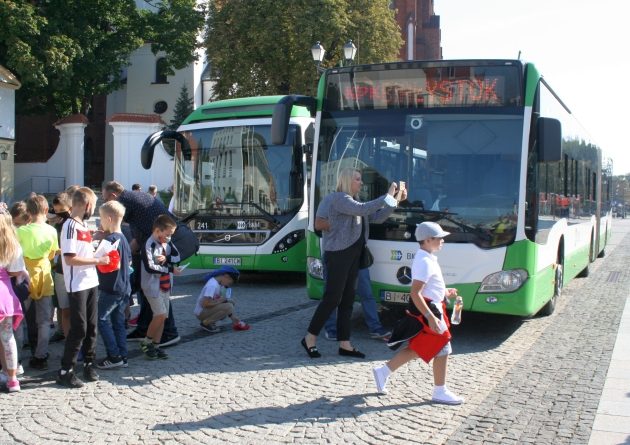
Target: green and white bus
{"points": [[488, 150], [244, 196]]}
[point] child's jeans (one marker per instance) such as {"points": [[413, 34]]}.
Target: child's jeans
{"points": [[111, 322], [38, 313]]}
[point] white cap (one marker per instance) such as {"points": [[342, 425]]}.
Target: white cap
{"points": [[428, 230]]}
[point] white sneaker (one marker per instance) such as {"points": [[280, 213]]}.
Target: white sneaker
{"points": [[20, 370], [444, 395], [381, 375]]}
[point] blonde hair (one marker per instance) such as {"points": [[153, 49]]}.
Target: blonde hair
{"points": [[344, 180], [83, 196], [37, 205], [9, 247], [113, 208]]}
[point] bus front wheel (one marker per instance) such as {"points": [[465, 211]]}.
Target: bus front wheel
{"points": [[557, 291]]}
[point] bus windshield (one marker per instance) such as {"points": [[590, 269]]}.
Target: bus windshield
{"points": [[235, 171], [462, 169]]}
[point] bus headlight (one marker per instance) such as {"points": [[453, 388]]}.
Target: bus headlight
{"points": [[290, 240], [315, 267], [503, 281]]}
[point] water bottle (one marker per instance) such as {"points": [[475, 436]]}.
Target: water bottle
{"points": [[456, 316]]}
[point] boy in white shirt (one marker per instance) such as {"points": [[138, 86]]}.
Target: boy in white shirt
{"points": [[81, 280], [427, 288], [215, 300]]}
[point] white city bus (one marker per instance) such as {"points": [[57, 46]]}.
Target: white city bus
{"points": [[488, 151]]}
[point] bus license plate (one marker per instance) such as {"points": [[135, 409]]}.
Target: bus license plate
{"points": [[229, 261], [395, 297]]}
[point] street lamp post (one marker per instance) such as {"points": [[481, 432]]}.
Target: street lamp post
{"points": [[349, 51], [318, 51]]}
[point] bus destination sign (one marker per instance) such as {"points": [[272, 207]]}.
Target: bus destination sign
{"points": [[425, 88]]}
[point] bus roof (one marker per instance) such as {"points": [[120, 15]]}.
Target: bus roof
{"points": [[245, 107]]}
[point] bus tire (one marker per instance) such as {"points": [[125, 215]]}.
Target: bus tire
{"points": [[548, 308], [586, 271]]}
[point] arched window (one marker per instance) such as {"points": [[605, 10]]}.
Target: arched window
{"points": [[161, 71]]}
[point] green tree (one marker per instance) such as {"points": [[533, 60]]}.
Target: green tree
{"points": [[263, 46], [183, 107], [65, 52]]}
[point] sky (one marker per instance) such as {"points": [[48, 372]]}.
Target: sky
{"points": [[579, 46]]}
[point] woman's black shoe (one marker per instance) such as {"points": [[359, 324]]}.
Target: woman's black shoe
{"points": [[354, 353], [312, 351]]}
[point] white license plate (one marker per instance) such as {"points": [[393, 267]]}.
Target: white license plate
{"points": [[395, 297], [227, 261]]}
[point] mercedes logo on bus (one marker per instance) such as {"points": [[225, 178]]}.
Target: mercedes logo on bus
{"points": [[404, 275]]}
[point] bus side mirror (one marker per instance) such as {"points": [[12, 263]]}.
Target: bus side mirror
{"points": [[549, 139], [148, 148], [282, 113]]}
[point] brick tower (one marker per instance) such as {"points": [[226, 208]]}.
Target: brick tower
{"points": [[420, 29]]}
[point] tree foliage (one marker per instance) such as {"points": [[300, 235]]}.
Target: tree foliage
{"points": [[263, 46], [65, 52]]}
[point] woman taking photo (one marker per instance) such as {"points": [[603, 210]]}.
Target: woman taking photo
{"points": [[342, 245]]}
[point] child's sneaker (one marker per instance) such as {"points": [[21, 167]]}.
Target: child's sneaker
{"points": [[144, 346], [444, 395], [13, 385], [381, 334], [89, 373], [110, 362], [150, 351], [212, 328], [69, 380], [161, 355], [40, 364], [20, 369], [381, 374], [240, 326]]}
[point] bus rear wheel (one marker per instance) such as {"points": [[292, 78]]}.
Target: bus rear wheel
{"points": [[557, 291]]}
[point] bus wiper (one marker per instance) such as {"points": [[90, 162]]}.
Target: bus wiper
{"points": [[269, 216], [187, 218], [445, 214]]}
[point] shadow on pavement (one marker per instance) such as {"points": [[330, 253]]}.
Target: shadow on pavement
{"points": [[321, 410]]}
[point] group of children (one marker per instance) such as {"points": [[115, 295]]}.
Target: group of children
{"points": [[45, 255]]}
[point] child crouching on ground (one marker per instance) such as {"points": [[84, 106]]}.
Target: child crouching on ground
{"points": [[215, 300], [158, 258], [114, 286]]}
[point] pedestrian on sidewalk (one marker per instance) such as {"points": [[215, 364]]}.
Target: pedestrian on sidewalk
{"points": [[39, 245], [11, 264], [114, 286], [343, 245], [81, 279], [158, 258], [428, 292]]}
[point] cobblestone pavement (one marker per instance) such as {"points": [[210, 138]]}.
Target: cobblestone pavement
{"points": [[534, 380]]}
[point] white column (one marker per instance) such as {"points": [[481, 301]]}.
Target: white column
{"points": [[71, 145], [128, 140]]}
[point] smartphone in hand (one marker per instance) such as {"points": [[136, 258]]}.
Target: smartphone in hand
{"points": [[401, 185]]}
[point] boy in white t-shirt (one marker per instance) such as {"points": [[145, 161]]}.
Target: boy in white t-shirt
{"points": [[81, 280], [427, 288], [215, 300]]}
